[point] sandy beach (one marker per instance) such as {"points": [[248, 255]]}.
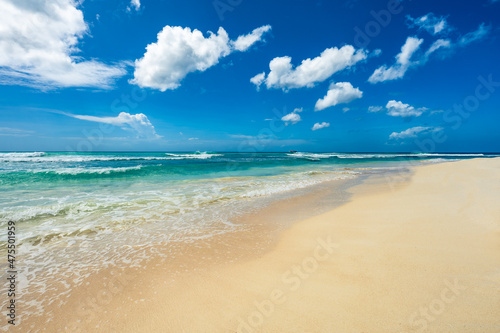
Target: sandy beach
{"points": [[420, 255], [232, 166]]}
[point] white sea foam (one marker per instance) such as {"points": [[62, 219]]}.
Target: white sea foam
{"points": [[42, 157], [319, 156], [67, 227], [79, 171], [17, 155], [295, 181], [197, 155]]}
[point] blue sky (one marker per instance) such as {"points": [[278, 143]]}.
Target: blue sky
{"points": [[346, 76]]}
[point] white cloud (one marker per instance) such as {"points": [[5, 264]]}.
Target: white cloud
{"points": [[318, 126], [7, 131], [180, 51], [243, 137], [413, 132], [403, 62], [243, 43], [38, 43], [345, 109], [407, 59], [282, 75], [440, 43], [475, 35], [258, 79], [292, 118], [137, 123], [438, 25], [400, 109], [375, 108], [338, 93], [191, 139], [134, 4], [430, 22]]}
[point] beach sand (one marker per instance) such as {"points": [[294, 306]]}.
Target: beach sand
{"points": [[421, 255]]}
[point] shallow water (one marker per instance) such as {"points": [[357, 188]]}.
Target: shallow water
{"points": [[76, 212]]}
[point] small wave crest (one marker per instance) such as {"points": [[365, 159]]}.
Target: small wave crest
{"points": [[197, 155], [21, 155], [79, 171], [319, 156], [37, 157]]}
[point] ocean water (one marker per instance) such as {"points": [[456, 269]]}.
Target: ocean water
{"points": [[76, 212]]}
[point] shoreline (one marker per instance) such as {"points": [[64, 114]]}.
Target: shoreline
{"points": [[228, 295], [252, 235]]}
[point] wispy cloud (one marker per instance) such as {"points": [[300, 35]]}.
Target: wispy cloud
{"points": [[139, 123], [410, 57], [244, 42], [375, 108], [403, 62], [431, 23], [7, 131], [475, 35], [413, 132]]}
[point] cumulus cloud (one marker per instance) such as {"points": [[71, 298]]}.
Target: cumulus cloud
{"points": [[400, 109], [293, 117], [430, 22], [282, 75], [136, 123], [318, 126], [403, 62], [413, 132], [180, 51], [135, 4], [243, 43], [38, 43], [338, 93], [375, 108], [258, 79]]}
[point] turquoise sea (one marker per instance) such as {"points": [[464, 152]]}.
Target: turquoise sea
{"points": [[75, 212]]}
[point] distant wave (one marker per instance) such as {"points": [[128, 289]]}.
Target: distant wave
{"points": [[79, 171], [77, 158], [17, 155], [41, 157], [197, 155], [319, 156], [312, 156]]}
